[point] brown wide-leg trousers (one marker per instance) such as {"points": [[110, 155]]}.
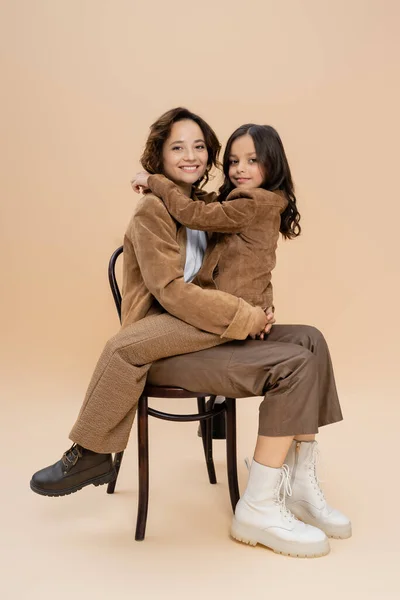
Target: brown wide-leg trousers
{"points": [[292, 368]]}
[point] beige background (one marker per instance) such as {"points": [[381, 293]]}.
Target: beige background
{"points": [[81, 83]]}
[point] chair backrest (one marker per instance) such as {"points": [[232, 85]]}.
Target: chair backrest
{"points": [[113, 280]]}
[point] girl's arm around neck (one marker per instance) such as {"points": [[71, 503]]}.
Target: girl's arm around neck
{"points": [[152, 233], [232, 216]]}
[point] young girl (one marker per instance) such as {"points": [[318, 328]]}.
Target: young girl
{"points": [[157, 273], [256, 201]]}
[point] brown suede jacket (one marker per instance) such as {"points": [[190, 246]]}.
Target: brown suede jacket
{"points": [[154, 259], [242, 250]]}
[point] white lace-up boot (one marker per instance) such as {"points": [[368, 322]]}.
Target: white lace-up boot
{"points": [[307, 501], [261, 516]]}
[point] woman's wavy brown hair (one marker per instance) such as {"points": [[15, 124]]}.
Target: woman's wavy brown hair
{"points": [[151, 159]]}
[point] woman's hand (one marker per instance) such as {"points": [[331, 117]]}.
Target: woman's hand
{"points": [[139, 182]]}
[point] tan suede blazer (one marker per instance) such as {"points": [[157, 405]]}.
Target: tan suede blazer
{"points": [[242, 251], [154, 259]]}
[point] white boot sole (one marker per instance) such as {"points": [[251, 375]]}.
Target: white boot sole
{"points": [[339, 532], [253, 536]]}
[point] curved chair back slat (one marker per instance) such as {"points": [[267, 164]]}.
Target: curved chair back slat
{"points": [[113, 280]]}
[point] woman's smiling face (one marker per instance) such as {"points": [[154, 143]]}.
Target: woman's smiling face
{"points": [[185, 153], [245, 172]]}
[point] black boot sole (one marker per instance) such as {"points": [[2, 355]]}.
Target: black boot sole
{"points": [[100, 480]]}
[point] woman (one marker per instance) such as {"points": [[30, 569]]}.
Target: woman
{"points": [[156, 273]]}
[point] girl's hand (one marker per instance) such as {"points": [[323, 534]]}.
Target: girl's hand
{"points": [[269, 315], [139, 182], [271, 320]]}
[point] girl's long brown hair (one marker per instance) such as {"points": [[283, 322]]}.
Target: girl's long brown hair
{"points": [[272, 157]]}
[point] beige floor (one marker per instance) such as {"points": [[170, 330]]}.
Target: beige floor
{"points": [[82, 83], [82, 546]]}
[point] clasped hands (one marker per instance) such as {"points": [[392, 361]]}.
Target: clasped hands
{"points": [[269, 313]]}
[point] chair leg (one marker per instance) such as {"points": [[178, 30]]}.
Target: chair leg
{"points": [[143, 456], [117, 465], [231, 454], [206, 434]]}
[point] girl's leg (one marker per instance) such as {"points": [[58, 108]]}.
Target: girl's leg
{"points": [[255, 368], [313, 340], [250, 368], [272, 451], [307, 501], [289, 412], [305, 438], [291, 405], [261, 515], [286, 368]]}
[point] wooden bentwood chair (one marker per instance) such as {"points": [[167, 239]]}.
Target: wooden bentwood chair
{"points": [[204, 416]]}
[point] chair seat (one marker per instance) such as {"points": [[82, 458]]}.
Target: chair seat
{"points": [[156, 391]]}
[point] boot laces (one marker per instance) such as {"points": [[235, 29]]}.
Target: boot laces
{"points": [[71, 456], [282, 489], [312, 468]]}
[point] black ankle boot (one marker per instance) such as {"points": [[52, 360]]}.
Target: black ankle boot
{"points": [[77, 468], [218, 423]]}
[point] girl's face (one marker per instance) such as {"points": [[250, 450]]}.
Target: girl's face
{"points": [[244, 170], [185, 154]]}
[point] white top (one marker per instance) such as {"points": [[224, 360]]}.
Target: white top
{"points": [[195, 247]]}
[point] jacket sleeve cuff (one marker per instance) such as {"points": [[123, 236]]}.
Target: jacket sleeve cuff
{"points": [[243, 321]]}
